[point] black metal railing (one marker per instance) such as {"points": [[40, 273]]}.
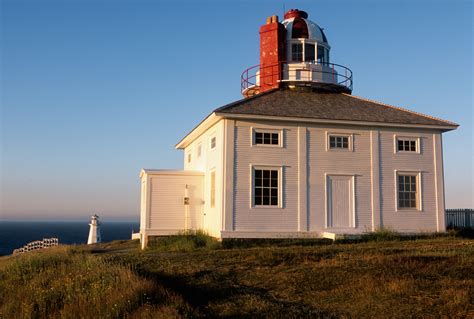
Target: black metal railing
{"points": [[330, 73]]}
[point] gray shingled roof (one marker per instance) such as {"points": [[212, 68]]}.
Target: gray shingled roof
{"points": [[327, 106]]}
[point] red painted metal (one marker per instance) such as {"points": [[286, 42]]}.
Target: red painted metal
{"points": [[300, 29], [295, 13]]}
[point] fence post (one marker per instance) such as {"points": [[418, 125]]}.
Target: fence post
{"points": [[467, 218]]}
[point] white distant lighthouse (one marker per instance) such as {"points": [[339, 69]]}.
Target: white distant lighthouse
{"points": [[94, 231]]}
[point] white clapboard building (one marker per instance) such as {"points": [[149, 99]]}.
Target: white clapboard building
{"points": [[299, 156]]}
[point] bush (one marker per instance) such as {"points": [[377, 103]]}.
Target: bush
{"points": [[185, 241], [382, 234]]}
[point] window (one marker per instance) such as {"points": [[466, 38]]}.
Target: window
{"points": [[297, 52], [267, 138], [309, 52], [266, 187], [407, 145], [321, 58], [199, 151], [213, 189], [189, 157], [408, 191], [338, 142], [213, 142]]}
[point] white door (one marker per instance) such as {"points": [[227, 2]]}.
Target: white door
{"points": [[194, 213], [340, 201]]}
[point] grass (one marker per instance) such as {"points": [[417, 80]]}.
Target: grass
{"points": [[186, 241], [193, 275]]}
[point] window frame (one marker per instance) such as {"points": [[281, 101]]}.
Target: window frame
{"points": [[279, 169], [212, 189], [298, 43], [313, 45], [419, 191], [417, 140], [254, 131], [189, 157], [199, 150], [325, 54], [350, 142], [303, 42], [212, 137]]}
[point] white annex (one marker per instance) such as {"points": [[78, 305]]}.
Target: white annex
{"points": [[300, 156]]}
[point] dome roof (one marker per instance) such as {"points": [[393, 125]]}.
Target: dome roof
{"points": [[298, 26]]}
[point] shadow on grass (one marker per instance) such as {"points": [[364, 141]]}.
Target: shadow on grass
{"points": [[467, 233], [264, 242], [247, 301], [386, 234]]}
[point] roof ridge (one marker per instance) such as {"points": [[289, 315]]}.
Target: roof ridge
{"points": [[401, 109]]}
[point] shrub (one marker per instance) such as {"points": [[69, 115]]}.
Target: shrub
{"points": [[381, 234], [185, 241]]}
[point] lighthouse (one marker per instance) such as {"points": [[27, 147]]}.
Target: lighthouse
{"points": [[94, 231], [295, 53], [300, 155]]}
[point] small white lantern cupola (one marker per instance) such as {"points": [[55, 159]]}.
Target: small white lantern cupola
{"points": [[305, 40], [94, 230]]}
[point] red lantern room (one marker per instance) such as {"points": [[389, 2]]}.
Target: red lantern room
{"points": [[294, 52]]}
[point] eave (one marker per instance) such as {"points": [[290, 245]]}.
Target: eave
{"points": [[202, 127], [235, 116]]}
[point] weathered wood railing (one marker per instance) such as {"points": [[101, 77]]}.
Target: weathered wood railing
{"points": [[460, 218], [36, 245]]}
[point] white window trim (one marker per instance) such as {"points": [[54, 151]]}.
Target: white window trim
{"points": [[417, 139], [303, 41], [280, 186], [326, 198], [419, 196], [213, 135], [189, 156], [254, 130], [350, 137], [213, 170], [199, 150]]}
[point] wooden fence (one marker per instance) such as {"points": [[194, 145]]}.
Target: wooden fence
{"points": [[35, 245], [460, 218]]}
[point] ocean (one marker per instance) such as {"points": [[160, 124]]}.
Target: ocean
{"points": [[16, 234]]}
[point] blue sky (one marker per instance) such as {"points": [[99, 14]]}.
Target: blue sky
{"points": [[92, 91]]}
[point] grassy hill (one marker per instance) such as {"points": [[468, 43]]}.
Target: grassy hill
{"points": [[193, 276]]}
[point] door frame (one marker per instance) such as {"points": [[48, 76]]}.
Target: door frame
{"points": [[327, 177]]}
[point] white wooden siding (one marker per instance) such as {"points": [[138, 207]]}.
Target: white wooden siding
{"points": [[439, 181], [246, 155], [228, 179], [143, 203], [167, 209], [356, 162], [410, 220], [210, 160], [306, 161]]}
